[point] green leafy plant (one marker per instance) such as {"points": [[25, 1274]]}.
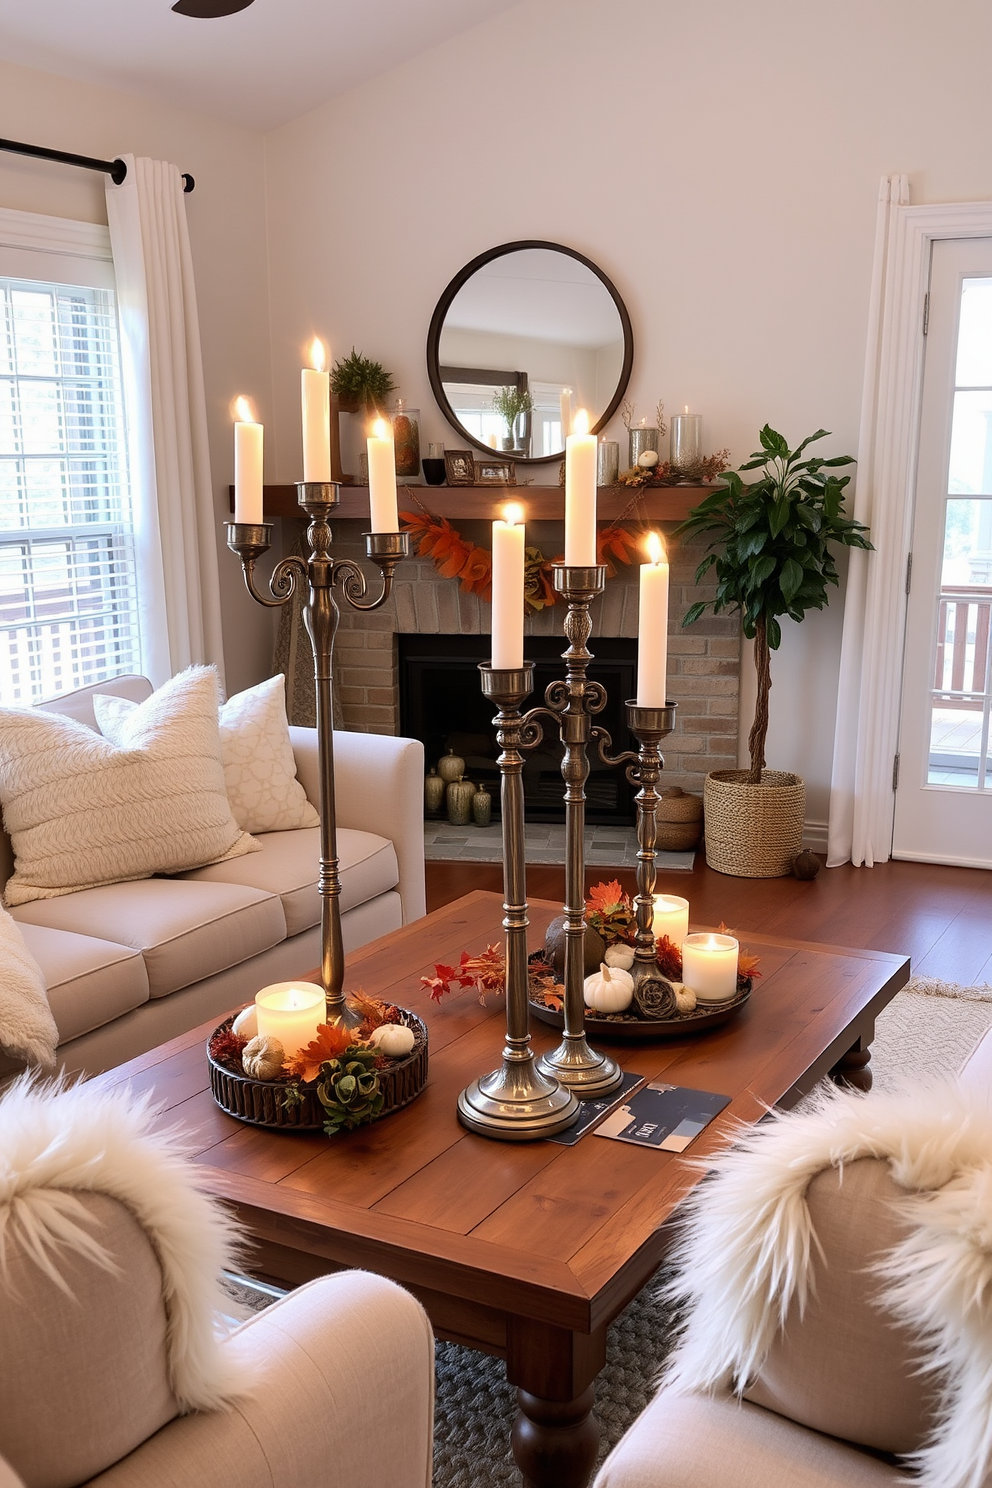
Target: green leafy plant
{"points": [[349, 1090], [358, 379], [509, 402], [771, 550]]}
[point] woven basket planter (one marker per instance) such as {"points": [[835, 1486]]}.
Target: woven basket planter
{"points": [[753, 831], [679, 820], [260, 1102]]}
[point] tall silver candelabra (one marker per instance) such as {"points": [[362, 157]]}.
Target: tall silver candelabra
{"points": [[524, 1099], [315, 577]]}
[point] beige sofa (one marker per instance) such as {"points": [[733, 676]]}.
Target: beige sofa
{"points": [[130, 965]]}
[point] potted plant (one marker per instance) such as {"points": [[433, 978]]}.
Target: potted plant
{"points": [[510, 403], [361, 385], [771, 549]]}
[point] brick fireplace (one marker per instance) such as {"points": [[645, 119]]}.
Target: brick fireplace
{"points": [[703, 661]]}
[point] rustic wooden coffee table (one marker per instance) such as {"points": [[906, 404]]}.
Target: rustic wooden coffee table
{"points": [[524, 1251]]}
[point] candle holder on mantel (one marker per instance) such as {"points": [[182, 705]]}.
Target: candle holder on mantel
{"points": [[316, 577]]}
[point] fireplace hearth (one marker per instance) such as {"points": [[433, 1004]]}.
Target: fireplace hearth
{"points": [[441, 704]]}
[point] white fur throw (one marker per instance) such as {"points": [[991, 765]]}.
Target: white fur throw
{"points": [[57, 1140], [744, 1255], [27, 1028], [83, 811]]}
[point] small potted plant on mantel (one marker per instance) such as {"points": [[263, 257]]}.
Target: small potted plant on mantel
{"points": [[361, 385], [771, 552]]}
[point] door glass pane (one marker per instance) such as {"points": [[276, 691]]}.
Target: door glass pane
{"points": [[962, 681]]}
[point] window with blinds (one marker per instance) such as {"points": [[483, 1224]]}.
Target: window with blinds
{"points": [[68, 603]]}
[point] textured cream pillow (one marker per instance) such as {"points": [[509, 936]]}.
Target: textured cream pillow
{"points": [[27, 1028], [83, 810], [259, 764], [257, 754]]}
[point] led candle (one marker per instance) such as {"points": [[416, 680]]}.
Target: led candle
{"points": [[508, 588], [687, 438], [247, 465], [671, 918], [709, 966], [652, 627], [580, 495], [565, 405], [290, 1012], [316, 398], [382, 478]]}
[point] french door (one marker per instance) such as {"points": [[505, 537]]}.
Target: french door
{"points": [[943, 804]]}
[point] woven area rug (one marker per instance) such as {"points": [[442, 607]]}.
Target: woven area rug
{"points": [[926, 1033]]}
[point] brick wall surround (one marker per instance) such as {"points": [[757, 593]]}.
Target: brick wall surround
{"points": [[703, 664]]}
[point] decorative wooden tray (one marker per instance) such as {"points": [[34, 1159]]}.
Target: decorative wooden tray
{"points": [[259, 1102], [622, 1029]]}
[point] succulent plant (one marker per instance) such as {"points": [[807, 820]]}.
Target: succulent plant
{"points": [[358, 379], [349, 1090]]}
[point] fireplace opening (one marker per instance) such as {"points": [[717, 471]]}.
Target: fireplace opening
{"points": [[441, 703]]}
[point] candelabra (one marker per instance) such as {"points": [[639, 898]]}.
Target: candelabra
{"points": [[524, 1099], [316, 577]]}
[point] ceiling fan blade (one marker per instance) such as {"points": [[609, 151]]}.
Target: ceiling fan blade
{"points": [[208, 9]]}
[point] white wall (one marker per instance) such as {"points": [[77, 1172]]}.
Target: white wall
{"points": [[226, 216], [719, 160]]}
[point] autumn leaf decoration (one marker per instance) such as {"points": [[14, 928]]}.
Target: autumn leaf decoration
{"points": [[485, 972], [610, 911], [747, 963], [330, 1043], [455, 557]]}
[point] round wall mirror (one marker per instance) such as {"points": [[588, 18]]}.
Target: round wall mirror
{"points": [[520, 335]]}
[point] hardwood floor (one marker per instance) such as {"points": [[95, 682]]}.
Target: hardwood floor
{"points": [[940, 917]]}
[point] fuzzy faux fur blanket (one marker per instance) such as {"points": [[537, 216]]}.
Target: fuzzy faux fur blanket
{"points": [[59, 1140], [745, 1252], [27, 1028]]}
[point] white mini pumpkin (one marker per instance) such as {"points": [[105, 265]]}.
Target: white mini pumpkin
{"points": [[685, 998], [620, 955], [246, 1023], [263, 1058], [609, 990], [394, 1039]]}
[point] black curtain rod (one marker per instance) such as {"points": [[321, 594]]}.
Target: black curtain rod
{"points": [[115, 169]]}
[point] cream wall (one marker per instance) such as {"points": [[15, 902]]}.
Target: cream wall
{"points": [[719, 160], [227, 228]]}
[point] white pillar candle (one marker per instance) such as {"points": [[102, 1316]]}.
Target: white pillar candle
{"points": [[671, 918], [290, 1012], [709, 966], [316, 402], [652, 628], [382, 478], [508, 588], [565, 405], [580, 495], [247, 465]]}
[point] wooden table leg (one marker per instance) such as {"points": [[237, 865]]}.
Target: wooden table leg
{"points": [[555, 1436], [852, 1068]]}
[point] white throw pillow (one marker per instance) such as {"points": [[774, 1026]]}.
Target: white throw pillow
{"points": [[83, 810], [257, 754], [259, 764], [27, 1028]]}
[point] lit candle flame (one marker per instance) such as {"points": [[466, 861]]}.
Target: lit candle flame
{"points": [[580, 423], [655, 548], [513, 512], [686, 408], [380, 429], [243, 412], [317, 354]]}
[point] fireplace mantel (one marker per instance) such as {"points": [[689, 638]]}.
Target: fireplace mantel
{"points": [[483, 503]]}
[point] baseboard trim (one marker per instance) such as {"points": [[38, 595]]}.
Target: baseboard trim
{"points": [[815, 836], [922, 857]]}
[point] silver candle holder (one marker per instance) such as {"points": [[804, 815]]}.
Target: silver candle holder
{"points": [[316, 577]]}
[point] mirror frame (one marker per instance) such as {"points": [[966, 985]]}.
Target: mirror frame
{"points": [[437, 325]]}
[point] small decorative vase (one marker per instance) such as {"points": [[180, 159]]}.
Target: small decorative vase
{"points": [[607, 462], [460, 794], [434, 789], [406, 440], [641, 438], [482, 808], [450, 767]]}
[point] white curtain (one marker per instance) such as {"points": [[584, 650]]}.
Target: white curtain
{"points": [[860, 825], [175, 527]]}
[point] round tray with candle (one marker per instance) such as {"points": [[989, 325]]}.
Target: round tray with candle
{"points": [[631, 1028], [329, 1080]]}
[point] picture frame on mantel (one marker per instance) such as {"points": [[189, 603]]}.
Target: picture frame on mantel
{"points": [[459, 467], [495, 473]]}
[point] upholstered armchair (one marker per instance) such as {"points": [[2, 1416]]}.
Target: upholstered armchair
{"points": [[111, 1371], [836, 1273]]}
